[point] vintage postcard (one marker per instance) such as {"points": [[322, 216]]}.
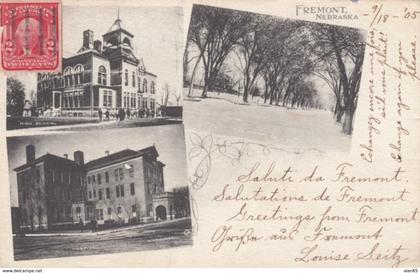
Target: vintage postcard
{"points": [[291, 137]]}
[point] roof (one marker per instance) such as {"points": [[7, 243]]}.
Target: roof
{"points": [[120, 156], [45, 157], [115, 52], [85, 52], [117, 26]]}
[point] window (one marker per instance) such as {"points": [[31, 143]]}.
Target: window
{"points": [[78, 210], [126, 77], [38, 175], [144, 103], [119, 210], [109, 211], [100, 194], [131, 171], [106, 177], [108, 193], [24, 197], [102, 75], [139, 83], [99, 178], [152, 87], [99, 214], [117, 190], [89, 211], [88, 179], [94, 194], [78, 74], [133, 209], [134, 79], [90, 194], [145, 86], [122, 190], [116, 174], [109, 99], [132, 190], [152, 104], [127, 41], [139, 100], [93, 179], [121, 173], [105, 98], [68, 79]]}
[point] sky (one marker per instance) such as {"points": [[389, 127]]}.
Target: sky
{"points": [[168, 140], [158, 38]]}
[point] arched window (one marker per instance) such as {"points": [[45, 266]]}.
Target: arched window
{"points": [[145, 86], [152, 87], [139, 83], [68, 78], [127, 41], [126, 77], [102, 75], [78, 74], [67, 71], [133, 76]]}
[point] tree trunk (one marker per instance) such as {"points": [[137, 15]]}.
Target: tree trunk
{"points": [[193, 76], [348, 121], [206, 85]]}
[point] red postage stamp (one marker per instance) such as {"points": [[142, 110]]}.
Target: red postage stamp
{"points": [[31, 36]]}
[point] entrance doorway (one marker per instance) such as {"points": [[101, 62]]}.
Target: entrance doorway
{"points": [[161, 212]]}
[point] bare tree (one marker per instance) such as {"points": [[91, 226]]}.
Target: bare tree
{"points": [[164, 96], [178, 97], [345, 46], [251, 50], [214, 31]]}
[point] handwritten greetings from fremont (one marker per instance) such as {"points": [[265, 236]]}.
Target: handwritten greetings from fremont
{"points": [[316, 219]]}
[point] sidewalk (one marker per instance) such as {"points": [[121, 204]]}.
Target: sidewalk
{"points": [[108, 231], [111, 124]]}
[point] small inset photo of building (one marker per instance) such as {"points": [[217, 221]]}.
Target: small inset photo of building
{"points": [[121, 71], [127, 187]]}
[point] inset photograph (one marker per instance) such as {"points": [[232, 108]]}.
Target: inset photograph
{"points": [[120, 69], [92, 193], [271, 79]]}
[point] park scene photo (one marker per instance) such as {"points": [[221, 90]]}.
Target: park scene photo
{"points": [[271, 79]]}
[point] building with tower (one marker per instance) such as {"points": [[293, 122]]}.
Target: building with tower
{"points": [[104, 74]]}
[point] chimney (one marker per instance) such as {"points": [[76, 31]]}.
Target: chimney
{"points": [[97, 45], [30, 153], [107, 153], [79, 158], [88, 39], [66, 156]]}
